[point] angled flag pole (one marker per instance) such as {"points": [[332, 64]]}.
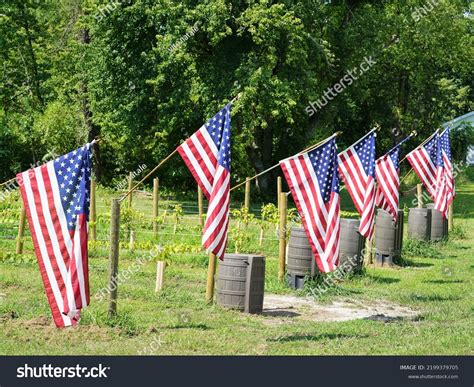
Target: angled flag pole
{"points": [[424, 160], [419, 146], [312, 177], [277, 165], [164, 161], [387, 170], [357, 171]]}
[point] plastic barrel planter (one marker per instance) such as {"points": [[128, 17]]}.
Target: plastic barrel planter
{"points": [[439, 225], [419, 224], [241, 282], [351, 246], [300, 261], [388, 238]]}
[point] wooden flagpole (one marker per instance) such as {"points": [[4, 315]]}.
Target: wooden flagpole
{"points": [[148, 175], [277, 165], [419, 146], [163, 162]]}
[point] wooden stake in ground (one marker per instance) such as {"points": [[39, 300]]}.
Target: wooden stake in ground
{"points": [[21, 231], [279, 191], [419, 195], [130, 185], [211, 273], [451, 216], [282, 236], [200, 206], [93, 211], [114, 256], [156, 202], [160, 275], [131, 246], [368, 252], [247, 193]]}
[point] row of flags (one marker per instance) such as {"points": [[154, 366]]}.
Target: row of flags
{"points": [[433, 165], [313, 178], [56, 197]]}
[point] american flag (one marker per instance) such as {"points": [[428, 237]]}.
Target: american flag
{"points": [[56, 197], [448, 166], [445, 179], [387, 171], [313, 181], [357, 170], [207, 156], [424, 161]]}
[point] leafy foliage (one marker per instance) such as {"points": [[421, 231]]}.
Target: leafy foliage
{"points": [[146, 74]]}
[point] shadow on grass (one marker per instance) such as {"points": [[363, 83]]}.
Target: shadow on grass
{"points": [[203, 327], [441, 282], [433, 298], [279, 313], [386, 319], [383, 280], [410, 263], [323, 336]]}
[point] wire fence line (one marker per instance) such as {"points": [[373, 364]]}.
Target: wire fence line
{"points": [[178, 223]]}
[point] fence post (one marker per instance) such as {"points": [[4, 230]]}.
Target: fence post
{"points": [[21, 231], [282, 235], [160, 275], [451, 216], [247, 193], [200, 206], [211, 272], [279, 191], [93, 210], [419, 195], [368, 252], [156, 202], [130, 186], [114, 256], [131, 246]]}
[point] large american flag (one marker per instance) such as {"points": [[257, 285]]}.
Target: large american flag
{"points": [[313, 181], [387, 171], [56, 197], [445, 145], [424, 161], [445, 179], [208, 157], [357, 170]]}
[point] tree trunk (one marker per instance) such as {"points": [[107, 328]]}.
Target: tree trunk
{"points": [[34, 65], [93, 130], [261, 157]]}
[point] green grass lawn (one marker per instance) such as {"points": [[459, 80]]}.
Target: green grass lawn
{"points": [[437, 282]]}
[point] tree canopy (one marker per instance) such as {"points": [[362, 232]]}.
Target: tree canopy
{"points": [[145, 74]]}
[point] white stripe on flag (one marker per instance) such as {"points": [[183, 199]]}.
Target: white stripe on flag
{"points": [[44, 253]]}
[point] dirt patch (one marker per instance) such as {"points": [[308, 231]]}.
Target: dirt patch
{"points": [[288, 307]]}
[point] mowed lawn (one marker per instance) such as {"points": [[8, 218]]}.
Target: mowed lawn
{"points": [[436, 282]]}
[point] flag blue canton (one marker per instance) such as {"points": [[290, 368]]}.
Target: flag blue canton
{"points": [[219, 130], [324, 161], [366, 151], [394, 155], [431, 148], [73, 173], [444, 143]]}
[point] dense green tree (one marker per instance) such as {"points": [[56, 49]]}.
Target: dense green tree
{"points": [[146, 74]]}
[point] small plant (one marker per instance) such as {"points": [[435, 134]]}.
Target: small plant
{"points": [[239, 236], [269, 215], [243, 216], [178, 216], [415, 248], [457, 233]]}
